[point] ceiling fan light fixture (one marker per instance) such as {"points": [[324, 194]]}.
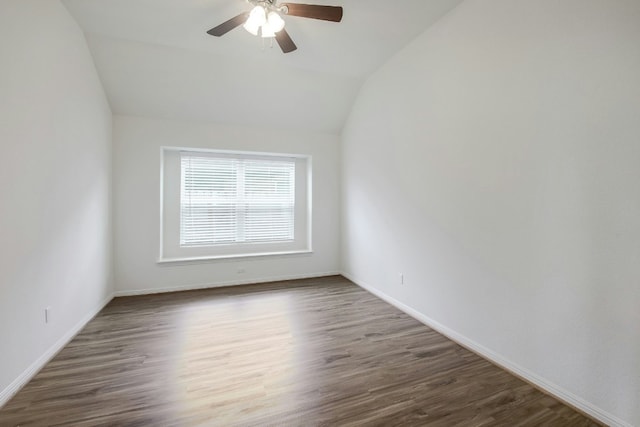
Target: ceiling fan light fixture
{"points": [[275, 21], [267, 31], [257, 18], [251, 28]]}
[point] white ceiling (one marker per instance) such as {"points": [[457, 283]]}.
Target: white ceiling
{"points": [[155, 59]]}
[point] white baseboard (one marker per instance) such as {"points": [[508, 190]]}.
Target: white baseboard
{"points": [[125, 293], [536, 380], [35, 367]]}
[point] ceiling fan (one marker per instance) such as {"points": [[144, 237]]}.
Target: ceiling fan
{"points": [[265, 17]]}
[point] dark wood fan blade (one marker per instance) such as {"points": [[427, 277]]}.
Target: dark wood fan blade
{"points": [[284, 41], [326, 13], [229, 25]]}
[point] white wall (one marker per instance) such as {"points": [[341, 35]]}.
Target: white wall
{"points": [[137, 143], [55, 135], [495, 161]]}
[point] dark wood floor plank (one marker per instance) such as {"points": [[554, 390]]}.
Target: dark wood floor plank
{"points": [[315, 352]]}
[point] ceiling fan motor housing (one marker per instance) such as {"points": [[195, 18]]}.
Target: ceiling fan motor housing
{"points": [[269, 5]]}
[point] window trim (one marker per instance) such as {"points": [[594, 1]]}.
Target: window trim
{"points": [[163, 258]]}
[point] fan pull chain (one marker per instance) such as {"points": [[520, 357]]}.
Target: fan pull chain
{"points": [[270, 42]]}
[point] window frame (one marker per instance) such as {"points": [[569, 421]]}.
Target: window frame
{"points": [[170, 172]]}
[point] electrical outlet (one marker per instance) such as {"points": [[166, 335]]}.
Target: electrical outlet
{"points": [[47, 315]]}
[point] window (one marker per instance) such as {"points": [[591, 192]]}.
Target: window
{"points": [[235, 200], [221, 204]]}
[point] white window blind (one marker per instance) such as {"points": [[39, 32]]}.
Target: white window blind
{"points": [[232, 200]]}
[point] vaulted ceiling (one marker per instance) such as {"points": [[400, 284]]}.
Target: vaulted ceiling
{"points": [[156, 60]]}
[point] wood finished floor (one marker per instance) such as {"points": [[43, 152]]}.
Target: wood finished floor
{"points": [[318, 352]]}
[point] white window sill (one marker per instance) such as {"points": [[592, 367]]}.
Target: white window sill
{"points": [[235, 256]]}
